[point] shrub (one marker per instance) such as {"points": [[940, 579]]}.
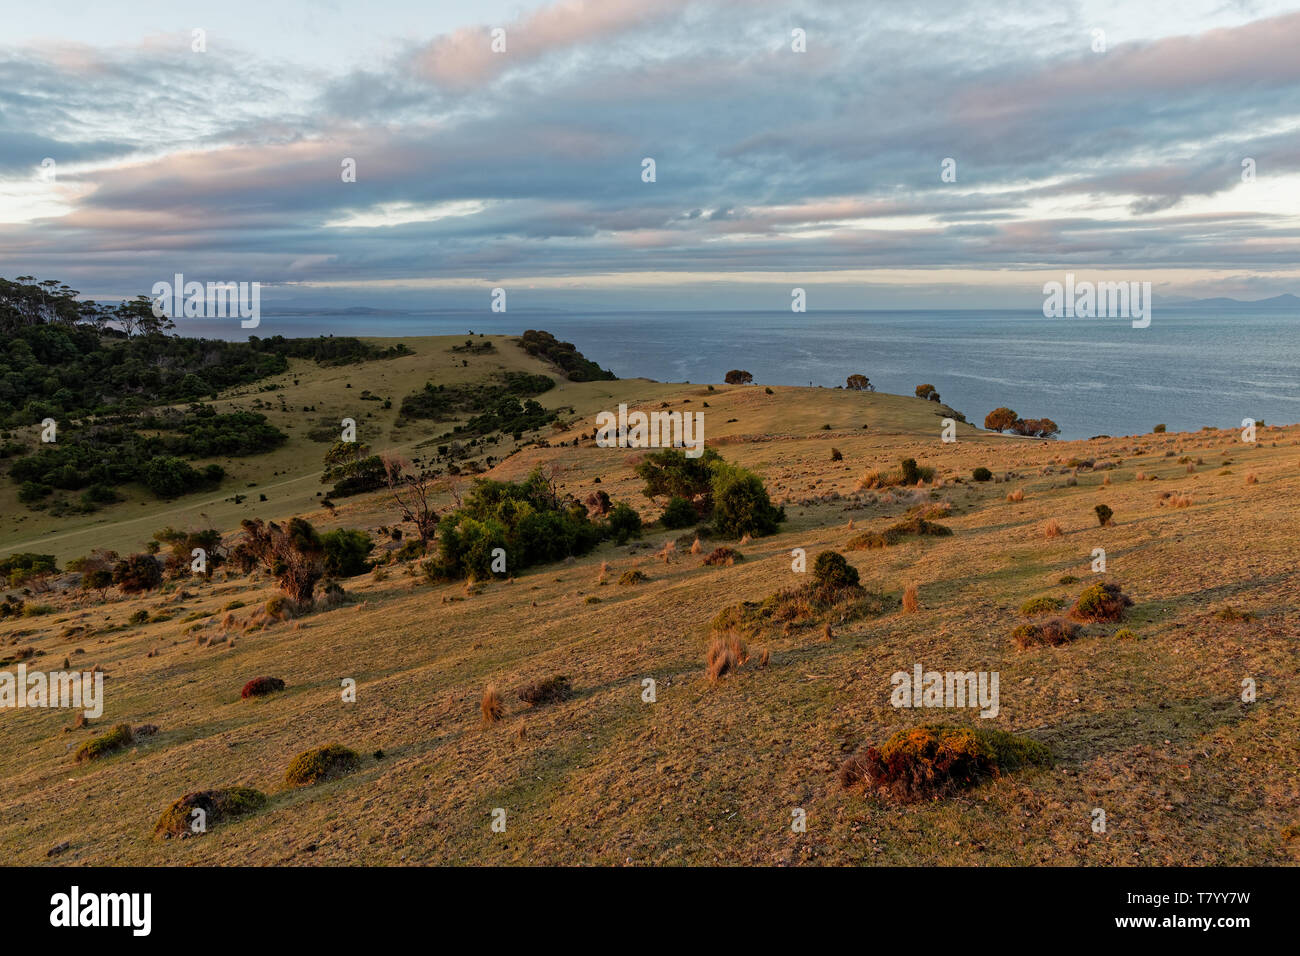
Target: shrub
{"points": [[982, 474], [1050, 633], [837, 455], [1230, 613], [741, 505], [1159, 429], [1124, 634], [1045, 604], [915, 526], [624, 522], [18, 569], [723, 556], [832, 570], [1101, 602], [552, 690], [632, 576], [1052, 529], [1017, 495], [908, 473], [218, 806], [913, 473], [137, 573], [725, 653], [346, 553], [321, 763], [116, 739], [259, 686], [1104, 515], [934, 761], [528, 519], [678, 513]]}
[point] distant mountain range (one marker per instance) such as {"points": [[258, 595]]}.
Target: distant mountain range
{"points": [[1284, 302]]}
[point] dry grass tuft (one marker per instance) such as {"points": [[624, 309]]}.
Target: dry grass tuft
{"points": [[491, 706], [911, 602], [1052, 529], [726, 653]]}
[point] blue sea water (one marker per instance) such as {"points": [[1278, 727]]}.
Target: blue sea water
{"points": [[1189, 368]]}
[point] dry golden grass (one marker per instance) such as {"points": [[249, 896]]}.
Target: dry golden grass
{"points": [[1052, 529], [490, 706], [911, 600], [1150, 726]]}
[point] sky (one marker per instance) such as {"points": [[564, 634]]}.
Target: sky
{"points": [[919, 155]]}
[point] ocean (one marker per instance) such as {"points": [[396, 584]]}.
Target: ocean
{"points": [[1190, 368]]}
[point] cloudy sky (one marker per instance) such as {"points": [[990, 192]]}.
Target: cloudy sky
{"points": [[1114, 154]]}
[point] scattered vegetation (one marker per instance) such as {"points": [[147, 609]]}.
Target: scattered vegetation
{"points": [[321, 763], [217, 806], [935, 761]]}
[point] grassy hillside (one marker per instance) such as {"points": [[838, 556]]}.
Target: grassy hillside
{"points": [[1149, 727]]}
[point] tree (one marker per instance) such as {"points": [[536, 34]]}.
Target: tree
{"points": [[738, 377], [100, 579], [859, 383], [1036, 427], [1000, 419], [927, 391], [26, 567], [411, 491], [137, 573], [294, 554], [670, 473]]}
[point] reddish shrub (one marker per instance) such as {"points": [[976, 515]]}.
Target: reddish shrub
{"points": [[260, 686]]}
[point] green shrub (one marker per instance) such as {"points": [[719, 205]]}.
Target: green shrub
{"points": [[741, 504], [346, 553], [218, 806], [528, 519], [18, 569], [1040, 605], [934, 761], [1101, 602], [632, 576], [678, 513], [1050, 633], [321, 763], [624, 522], [832, 569], [116, 739], [982, 474]]}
